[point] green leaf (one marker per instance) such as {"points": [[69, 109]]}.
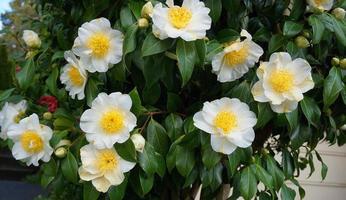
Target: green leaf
{"points": [[215, 9], [201, 50], [292, 119], [137, 107], [264, 114], [152, 70], [209, 157], [5, 94], [287, 193], [248, 184], [292, 28], [335, 26], [174, 126], [275, 43], [152, 45], [130, 39], [118, 192], [126, 150], [234, 161], [157, 136], [151, 162], [287, 163], [26, 74], [227, 35], [126, 18], [317, 28], [89, 192], [311, 110], [185, 160], [275, 171], [332, 87], [262, 175], [91, 90], [174, 102], [69, 168], [242, 92], [186, 56], [324, 167], [299, 135], [51, 81]]}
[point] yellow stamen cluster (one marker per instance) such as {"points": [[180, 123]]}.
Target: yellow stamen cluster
{"points": [[179, 16], [99, 43], [281, 80], [112, 121], [226, 121], [107, 160], [31, 142], [237, 57], [75, 76]]}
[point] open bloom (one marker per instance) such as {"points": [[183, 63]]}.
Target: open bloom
{"points": [[109, 120], [236, 59], [98, 45], [321, 4], [74, 76], [229, 122], [103, 167], [190, 21], [282, 82], [11, 114], [31, 140], [31, 39]]}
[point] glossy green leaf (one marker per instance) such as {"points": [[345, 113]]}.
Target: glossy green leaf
{"points": [[292, 28], [130, 39], [26, 74], [69, 168], [317, 28], [152, 45], [262, 175], [89, 192], [332, 87], [215, 9], [287, 193], [186, 55], [118, 192], [185, 161], [151, 162], [311, 110], [174, 126], [248, 184], [157, 136], [126, 150]]}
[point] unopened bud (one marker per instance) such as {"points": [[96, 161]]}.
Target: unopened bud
{"points": [[139, 142], [339, 13], [47, 115], [147, 10], [143, 23], [302, 42], [335, 61], [60, 152], [30, 54], [306, 34], [31, 39], [63, 143], [343, 63]]}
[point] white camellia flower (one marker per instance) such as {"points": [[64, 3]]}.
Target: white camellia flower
{"points": [[190, 21], [31, 140], [321, 4], [236, 59], [11, 114], [74, 76], [98, 45], [229, 122], [109, 120], [31, 39], [282, 82], [103, 167], [139, 142]]}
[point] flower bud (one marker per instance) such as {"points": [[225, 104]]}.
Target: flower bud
{"points": [[30, 54], [306, 34], [302, 42], [63, 143], [139, 142], [339, 13], [143, 23], [60, 152], [147, 10], [47, 115], [343, 63], [31, 39], [335, 61]]}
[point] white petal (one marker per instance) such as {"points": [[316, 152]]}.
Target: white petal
{"points": [[221, 144], [101, 184], [200, 123], [282, 57], [258, 92], [285, 107], [125, 166], [242, 139]]}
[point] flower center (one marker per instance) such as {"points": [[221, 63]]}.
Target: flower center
{"points": [[281, 80], [99, 43], [226, 121], [31, 142], [319, 2], [179, 16], [112, 121], [236, 57], [75, 76], [107, 160]]}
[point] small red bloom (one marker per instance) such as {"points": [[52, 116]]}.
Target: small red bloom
{"points": [[18, 68], [49, 101]]}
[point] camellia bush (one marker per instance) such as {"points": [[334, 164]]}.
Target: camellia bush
{"points": [[185, 99]]}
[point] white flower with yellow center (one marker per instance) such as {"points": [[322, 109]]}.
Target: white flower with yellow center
{"points": [[282, 82], [11, 114], [321, 4], [189, 21], [103, 167], [98, 45], [31, 39], [229, 122], [236, 59], [31, 140], [74, 76], [109, 120]]}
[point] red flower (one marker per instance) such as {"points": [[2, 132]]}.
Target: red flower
{"points": [[18, 68], [49, 101]]}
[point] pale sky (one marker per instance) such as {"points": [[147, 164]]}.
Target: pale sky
{"points": [[4, 5]]}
